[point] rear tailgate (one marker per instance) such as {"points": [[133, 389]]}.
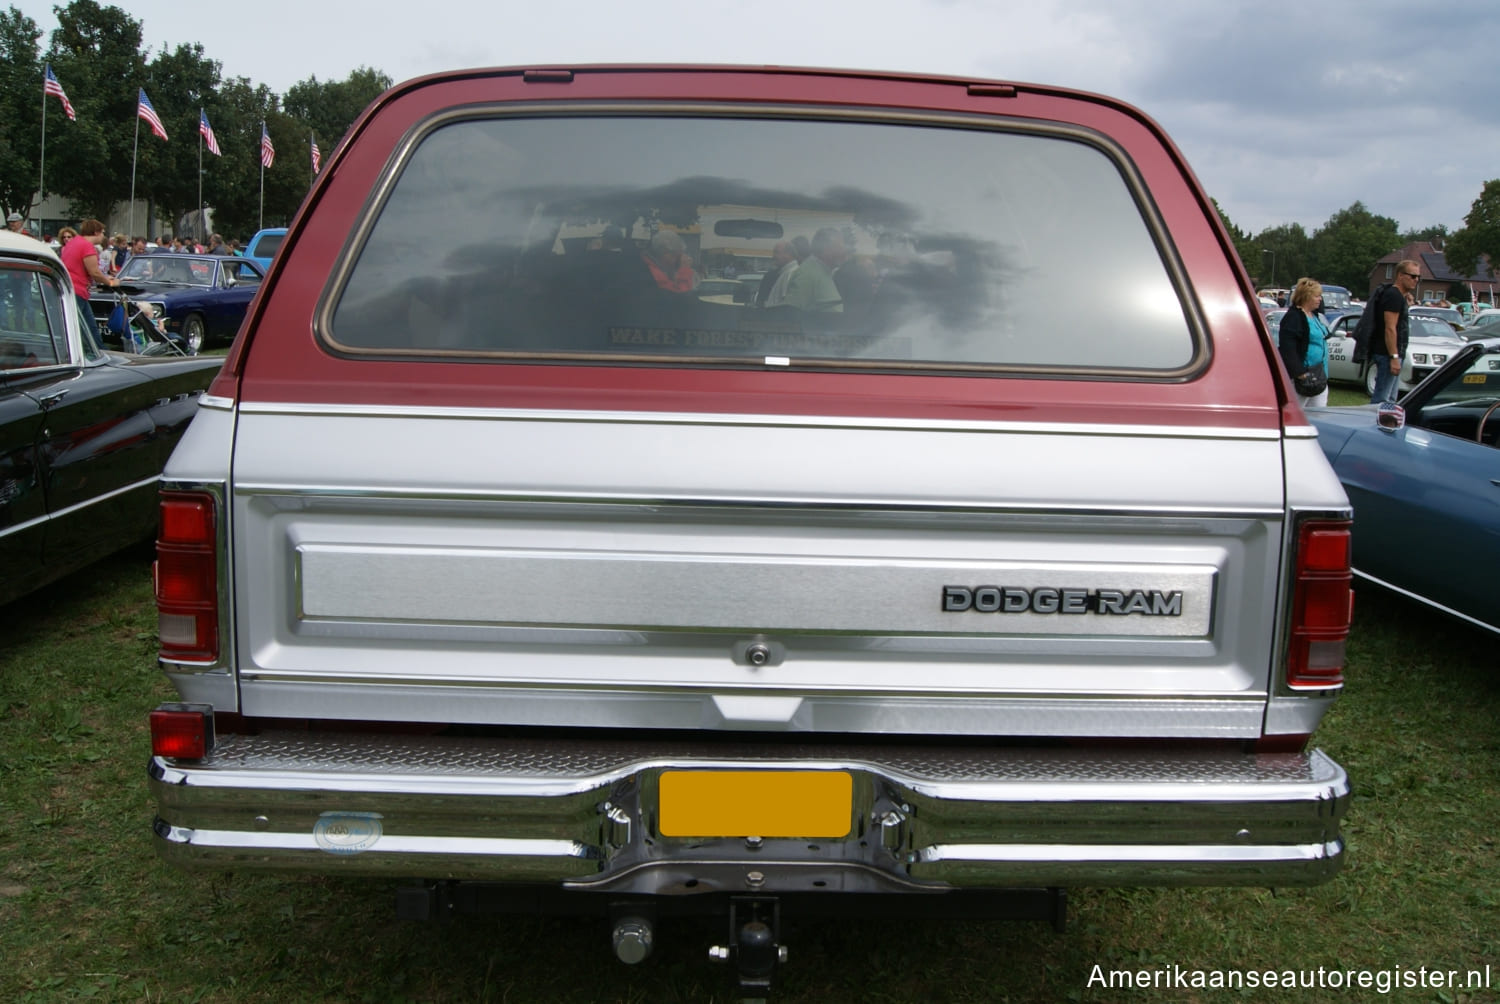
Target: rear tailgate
{"points": [[520, 478], [681, 571]]}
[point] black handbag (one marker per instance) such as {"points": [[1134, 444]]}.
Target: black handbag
{"points": [[1313, 381]]}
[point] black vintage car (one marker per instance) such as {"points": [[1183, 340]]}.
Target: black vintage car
{"points": [[84, 433]]}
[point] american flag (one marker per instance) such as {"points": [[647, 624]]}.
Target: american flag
{"points": [[316, 156], [267, 151], [51, 86], [207, 132], [143, 110]]}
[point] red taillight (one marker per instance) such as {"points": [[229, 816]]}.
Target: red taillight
{"points": [[1322, 606], [182, 731], [187, 578]]}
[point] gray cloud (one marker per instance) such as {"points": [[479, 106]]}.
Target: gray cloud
{"points": [[1286, 111]]}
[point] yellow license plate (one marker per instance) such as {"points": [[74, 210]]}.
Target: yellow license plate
{"points": [[755, 803]]}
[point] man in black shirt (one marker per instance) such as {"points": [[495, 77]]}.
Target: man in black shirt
{"points": [[1388, 343]]}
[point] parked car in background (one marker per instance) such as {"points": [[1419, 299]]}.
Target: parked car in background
{"points": [[1430, 343], [262, 248], [1448, 315], [718, 290], [83, 433], [1336, 302], [201, 298], [1276, 294], [1423, 481], [525, 568], [1485, 318]]}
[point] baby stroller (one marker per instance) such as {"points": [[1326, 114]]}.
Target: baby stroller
{"points": [[135, 326]]}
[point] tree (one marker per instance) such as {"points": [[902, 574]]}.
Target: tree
{"points": [[1479, 236], [1289, 244], [1345, 248], [241, 108], [180, 83], [94, 49], [330, 108], [96, 161], [289, 178], [1435, 232], [1244, 244], [20, 109]]}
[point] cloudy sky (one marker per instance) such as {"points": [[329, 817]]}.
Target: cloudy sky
{"points": [[1288, 112]]}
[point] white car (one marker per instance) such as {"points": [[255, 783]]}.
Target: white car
{"points": [[1431, 343], [1451, 315]]}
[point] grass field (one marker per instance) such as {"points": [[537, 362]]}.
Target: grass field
{"points": [[87, 911], [1340, 395]]}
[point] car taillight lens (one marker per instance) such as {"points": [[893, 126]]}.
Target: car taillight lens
{"points": [[182, 731], [187, 578], [1322, 606]]}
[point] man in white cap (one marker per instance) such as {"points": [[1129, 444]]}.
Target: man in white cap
{"points": [[16, 224]]}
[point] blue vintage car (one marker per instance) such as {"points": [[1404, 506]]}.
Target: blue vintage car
{"points": [[202, 298], [1424, 480]]}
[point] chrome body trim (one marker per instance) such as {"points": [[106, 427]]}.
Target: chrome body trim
{"points": [[873, 506], [583, 812], [586, 416], [78, 506], [789, 707], [1494, 628]]}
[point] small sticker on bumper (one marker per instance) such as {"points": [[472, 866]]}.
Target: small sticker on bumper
{"points": [[347, 832]]}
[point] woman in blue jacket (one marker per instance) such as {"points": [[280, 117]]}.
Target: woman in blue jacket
{"points": [[1304, 338]]}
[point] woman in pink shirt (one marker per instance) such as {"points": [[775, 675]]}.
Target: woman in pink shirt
{"points": [[81, 258]]}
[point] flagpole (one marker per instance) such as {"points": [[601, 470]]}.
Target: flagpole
{"points": [[135, 149], [41, 181], [262, 219], [200, 173]]}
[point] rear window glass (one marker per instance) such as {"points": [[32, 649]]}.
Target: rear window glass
{"points": [[268, 245], [743, 240]]}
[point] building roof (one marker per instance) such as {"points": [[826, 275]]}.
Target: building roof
{"points": [[1434, 263]]}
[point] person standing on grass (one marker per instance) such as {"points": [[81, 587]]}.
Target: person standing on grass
{"points": [[1388, 343], [80, 256], [1303, 337]]}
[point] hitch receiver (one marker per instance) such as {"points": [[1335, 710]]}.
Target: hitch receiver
{"points": [[754, 944]]}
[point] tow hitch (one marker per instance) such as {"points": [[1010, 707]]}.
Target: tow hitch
{"points": [[754, 944]]}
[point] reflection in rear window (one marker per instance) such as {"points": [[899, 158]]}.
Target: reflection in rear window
{"points": [[727, 240]]}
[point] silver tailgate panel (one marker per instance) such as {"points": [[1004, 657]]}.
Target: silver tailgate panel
{"points": [[620, 570]]}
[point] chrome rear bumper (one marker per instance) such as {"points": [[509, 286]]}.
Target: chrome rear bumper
{"points": [[584, 814]]}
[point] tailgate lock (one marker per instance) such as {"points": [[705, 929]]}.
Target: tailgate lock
{"points": [[757, 652]]}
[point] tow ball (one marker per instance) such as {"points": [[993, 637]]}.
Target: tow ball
{"points": [[754, 947]]}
